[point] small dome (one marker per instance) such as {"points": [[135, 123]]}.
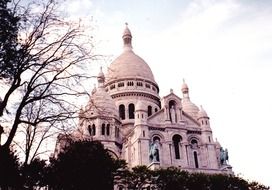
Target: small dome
{"points": [[140, 106], [190, 108], [202, 113], [101, 103]]}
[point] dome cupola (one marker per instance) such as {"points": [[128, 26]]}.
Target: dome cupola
{"points": [[202, 113], [130, 79], [127, 37], [129, 65], [101, 103], [188, 106]]}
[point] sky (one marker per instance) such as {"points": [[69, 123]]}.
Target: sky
{"points": [[222, 48]]}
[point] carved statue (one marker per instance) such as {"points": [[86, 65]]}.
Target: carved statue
{"points": [[173, 114], [224, 156], [154, 152]]}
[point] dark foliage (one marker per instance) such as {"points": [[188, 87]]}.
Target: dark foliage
{"points": [[9, 170], [171, 179], [175, 179], [8, 40], [34, 174], [83, 165], [257, 186]]}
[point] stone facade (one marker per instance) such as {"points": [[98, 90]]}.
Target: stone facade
{"points": [[126, 113]]}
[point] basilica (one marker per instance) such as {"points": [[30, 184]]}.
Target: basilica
{"points": [[126, 114]]}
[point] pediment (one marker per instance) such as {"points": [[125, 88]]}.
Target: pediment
{"points": [[158, 117], [172, 96]]}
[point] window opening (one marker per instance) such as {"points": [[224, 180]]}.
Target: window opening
{"points": [[131, 110], [176, 140], [196, 159], [149, 110], [103, 129], [93, 130], [122, 112], [108, 129]]}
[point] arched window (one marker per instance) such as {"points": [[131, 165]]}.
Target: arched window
{"points": [[90, 129], [196, 159], [149, 110], [122, 114], [194, 143], [93, 130], [156, 109], [108, 130], [131, 110], [176, 140], [103, 129], [121, 84]]}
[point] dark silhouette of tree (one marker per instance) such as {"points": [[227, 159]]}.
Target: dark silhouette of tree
{"points": [[257, 186], [8, 39], [198, 181], [139, 177], [34, 174], [171, 179], [9, 170], [83, 165], [35, 135], [42, 59]]}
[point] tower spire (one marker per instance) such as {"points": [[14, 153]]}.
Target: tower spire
{"points": [[185, 89], [127, 37], [101, 78]]}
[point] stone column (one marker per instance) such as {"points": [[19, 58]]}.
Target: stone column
{"points": [[179, 114], [166, 112], [184, 155]]}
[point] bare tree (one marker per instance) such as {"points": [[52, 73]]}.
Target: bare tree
{"points": [[47, 69], [34, 132]]}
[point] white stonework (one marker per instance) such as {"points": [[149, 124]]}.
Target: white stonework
{"points": [[134, 123]]}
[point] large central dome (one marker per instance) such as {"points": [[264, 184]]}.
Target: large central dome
{"points": [[129, 79], [129, 65]]}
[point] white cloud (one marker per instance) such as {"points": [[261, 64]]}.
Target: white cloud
{"points": [[78, 8]]}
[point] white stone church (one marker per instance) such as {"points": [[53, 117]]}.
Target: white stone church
{"points": [[126, 113]]}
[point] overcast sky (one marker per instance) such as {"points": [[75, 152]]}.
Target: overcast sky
{"points": [[223, 49]]}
